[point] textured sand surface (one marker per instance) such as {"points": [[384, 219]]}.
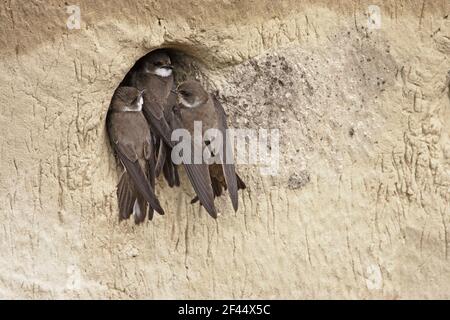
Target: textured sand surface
{"points": [[360, 207]]}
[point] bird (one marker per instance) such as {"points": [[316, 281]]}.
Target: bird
{"points": [[154, 74], [194, 103], [130, 137]]}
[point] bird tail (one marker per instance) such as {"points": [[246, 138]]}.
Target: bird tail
{"points": [[170, 172], [125, 196], [140, 209], [141, 183], [217, 189]]}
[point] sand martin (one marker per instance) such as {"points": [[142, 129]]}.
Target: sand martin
{"points": [[130, 136], [195, 104], [153, 73]]}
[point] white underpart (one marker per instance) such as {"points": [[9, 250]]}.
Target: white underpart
{"points": [[136, 208], [139, 106], [163, 72], [128, 109], [189, 105], [140, 103]]}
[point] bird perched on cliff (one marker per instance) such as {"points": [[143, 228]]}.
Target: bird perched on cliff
{"points": [[130, 138], [154, 75], [195, 104]]}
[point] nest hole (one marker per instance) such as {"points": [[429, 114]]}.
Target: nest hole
{"points": [[185, 66]]}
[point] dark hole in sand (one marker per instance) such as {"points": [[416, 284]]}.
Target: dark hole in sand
{"points": [[184, 65]]}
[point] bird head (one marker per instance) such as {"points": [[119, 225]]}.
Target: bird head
{"points": [[191, 94], [159, 64], [127, 99]]}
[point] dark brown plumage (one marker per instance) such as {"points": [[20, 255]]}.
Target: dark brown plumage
{"points": [[154, 74], [195, 104], [130, 138]]}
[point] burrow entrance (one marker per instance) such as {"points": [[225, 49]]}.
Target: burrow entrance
{"points": [[184, 65]]}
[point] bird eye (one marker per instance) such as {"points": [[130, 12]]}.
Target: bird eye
{"points": [[158, 63], [185, 93]]}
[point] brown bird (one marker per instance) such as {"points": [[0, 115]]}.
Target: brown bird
{"points": [[195, 104], [154, 75], [130, 137]]}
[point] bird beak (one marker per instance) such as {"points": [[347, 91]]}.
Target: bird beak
{"points": [[174, 91], [168, 67], [141, 93]]}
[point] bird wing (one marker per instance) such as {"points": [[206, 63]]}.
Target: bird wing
{"points": [[162, 155], [150, 164], [198, 174], [129, 159], [125, 196], [154, 113], [165, 163], [227, 155]]}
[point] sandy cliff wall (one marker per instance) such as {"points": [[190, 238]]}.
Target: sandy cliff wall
{"points": [[360, 207]]}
